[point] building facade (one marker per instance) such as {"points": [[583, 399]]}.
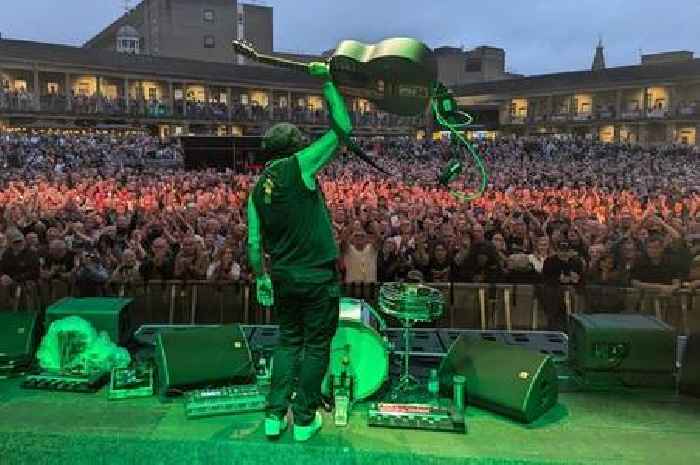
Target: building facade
{"points": [[655, 102], [195, 30], [58, 86], [457, 66], [255, 25]]}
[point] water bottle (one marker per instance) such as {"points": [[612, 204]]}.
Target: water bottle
{"points": [[434, 384]]}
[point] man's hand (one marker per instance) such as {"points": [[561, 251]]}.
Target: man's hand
{"points": [[6, 280], [320, 70], [264, 290]]}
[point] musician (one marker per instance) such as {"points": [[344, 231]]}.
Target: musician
{"points": [[288, 219]]}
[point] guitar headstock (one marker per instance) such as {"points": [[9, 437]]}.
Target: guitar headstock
{"points": [[245, 48]]}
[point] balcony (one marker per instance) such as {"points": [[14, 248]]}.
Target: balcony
{"points": [[606, 114], [101, 106], [559, 117], [692, 110], [631, 114], [583, 116], [657, 113]]}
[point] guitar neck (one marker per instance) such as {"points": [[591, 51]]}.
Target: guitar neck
{"points": [[282, 63]]}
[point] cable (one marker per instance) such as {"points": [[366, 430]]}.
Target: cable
{"points": [[455, 168]]}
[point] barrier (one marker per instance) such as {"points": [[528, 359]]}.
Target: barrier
{"points": [[467, 305]]}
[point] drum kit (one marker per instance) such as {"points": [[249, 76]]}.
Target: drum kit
{"points": [[359, 360]]}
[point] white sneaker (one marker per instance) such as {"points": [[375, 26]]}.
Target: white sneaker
{"points": [[304, 433], [275, 426]]}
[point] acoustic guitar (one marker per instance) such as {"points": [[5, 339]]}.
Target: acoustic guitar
{"points": [[396, 74]]}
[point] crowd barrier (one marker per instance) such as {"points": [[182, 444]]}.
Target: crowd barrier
{"points": [[484, 306]]}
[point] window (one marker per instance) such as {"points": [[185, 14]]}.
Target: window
{"points": [[52, 87], [208, 16], [209, 42], [472, 65], [152, 93]]}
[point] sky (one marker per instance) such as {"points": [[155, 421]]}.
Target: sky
{"points": [[539, 36]]}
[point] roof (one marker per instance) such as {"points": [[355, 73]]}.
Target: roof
{"points": [[111, 62], [610, 77], [128, 31], [134, 14]]}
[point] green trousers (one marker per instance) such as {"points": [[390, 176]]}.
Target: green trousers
{"points": [[308, 319]]}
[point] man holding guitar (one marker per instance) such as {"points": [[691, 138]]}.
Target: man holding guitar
{"points": [[288, 219]]}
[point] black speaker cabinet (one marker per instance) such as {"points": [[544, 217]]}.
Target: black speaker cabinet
{"points": [[18, 337], [506, 379], [209, 356], [608, 350], [690, 370]]}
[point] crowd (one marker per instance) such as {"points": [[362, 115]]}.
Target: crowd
{"points": [[555, 213]]}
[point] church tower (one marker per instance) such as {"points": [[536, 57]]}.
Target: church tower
{"points": [[599, 60]]}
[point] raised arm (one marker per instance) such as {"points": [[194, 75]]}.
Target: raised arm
{"points": [[313, 158], [255, 254]]}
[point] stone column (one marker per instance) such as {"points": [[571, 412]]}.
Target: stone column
{"points": [[271, 104], [36, 90], [126, 95], [618, 104], [289, 105], [229, 105], [670, 129], [184, 99], [68, 91], [642, 134], [672, 104], [171, 98]]}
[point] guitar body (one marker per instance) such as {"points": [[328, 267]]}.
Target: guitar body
{"points": [[396, 74]]}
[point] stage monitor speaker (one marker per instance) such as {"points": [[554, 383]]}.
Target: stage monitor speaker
{"points": [[622, 349], [111, 315], [18, 338], [516, 382], [209, 356], [690, 368]]}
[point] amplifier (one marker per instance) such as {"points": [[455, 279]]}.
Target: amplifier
{"points": [[416, 416], [111, 315], [68, 383], [226, 400], [633, 350]]}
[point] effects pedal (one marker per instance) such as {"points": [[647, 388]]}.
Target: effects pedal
{"points": [[225, 400], [65, 382], [127, 383], [416, 416]]}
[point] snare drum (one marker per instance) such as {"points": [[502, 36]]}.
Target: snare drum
{"points": [[359, 350]]}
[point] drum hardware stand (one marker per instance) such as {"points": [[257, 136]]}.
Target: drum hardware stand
{"points": [[342, 394], [407, 382]]}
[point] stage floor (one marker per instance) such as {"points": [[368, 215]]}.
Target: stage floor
{"points": [[42, 428]]}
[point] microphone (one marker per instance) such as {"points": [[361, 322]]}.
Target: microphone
{"points": [[450, 172]]}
